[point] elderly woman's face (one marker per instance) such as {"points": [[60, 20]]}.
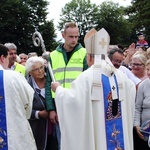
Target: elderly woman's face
{"points": [[37, 71], [137, 66]]}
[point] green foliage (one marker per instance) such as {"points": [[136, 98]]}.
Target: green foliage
{"points": [[83, 12], [112, 18], [19, 18], [108, 15], [47, 32], [139, 12]]}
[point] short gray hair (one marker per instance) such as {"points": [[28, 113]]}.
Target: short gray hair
{"points": [[23, 54], [32, 61], [11, 46]]}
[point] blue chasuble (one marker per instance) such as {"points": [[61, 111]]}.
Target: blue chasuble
{"points": [[113, 117], [3, 125]]}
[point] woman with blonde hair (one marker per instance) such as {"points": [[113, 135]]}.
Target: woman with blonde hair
{"points": [[148, 53], [138, 62], [142, 111]]}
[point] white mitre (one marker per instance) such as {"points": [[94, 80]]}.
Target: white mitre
{"points": [[97, 43]]}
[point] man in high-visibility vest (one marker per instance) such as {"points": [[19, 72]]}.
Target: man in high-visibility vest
{"points": [[68, 61]]}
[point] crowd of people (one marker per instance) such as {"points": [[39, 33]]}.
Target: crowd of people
{"points": [[100, 99]]}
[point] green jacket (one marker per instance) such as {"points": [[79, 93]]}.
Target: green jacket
{"points": [[48, 94]]}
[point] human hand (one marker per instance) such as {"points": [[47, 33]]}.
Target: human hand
{"points": [[139, 133], [53, 117], [131, 50], [54, 86], [43, 114]]}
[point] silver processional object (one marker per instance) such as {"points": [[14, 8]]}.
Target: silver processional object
{"points": [[38, 41]]}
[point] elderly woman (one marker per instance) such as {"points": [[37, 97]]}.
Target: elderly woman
{"points": [[138, 65], [39, 117]]}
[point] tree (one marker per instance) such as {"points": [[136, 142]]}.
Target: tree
{"points": [[46, 30], [108, 15], [83, 12], [139, 14], [19, 18], [112, 18]]}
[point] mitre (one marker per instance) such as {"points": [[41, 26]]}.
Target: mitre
{"points": [[97, 42]]}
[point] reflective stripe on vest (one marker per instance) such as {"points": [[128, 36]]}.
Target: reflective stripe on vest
{"points": [[63, 73]]}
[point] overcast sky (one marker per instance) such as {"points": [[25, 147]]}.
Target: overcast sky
{"points": [[55, 7]]}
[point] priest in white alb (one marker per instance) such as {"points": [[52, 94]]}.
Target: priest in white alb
{"points": [[96, 113], [16, 97]]}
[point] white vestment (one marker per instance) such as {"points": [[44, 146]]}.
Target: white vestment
{"points": [[130, 75], [82, 121], [18, 106]]}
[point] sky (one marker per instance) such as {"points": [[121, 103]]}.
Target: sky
{"points": [[55, 7]]}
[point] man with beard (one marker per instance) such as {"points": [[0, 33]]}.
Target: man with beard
{"points": [[116, 56]]}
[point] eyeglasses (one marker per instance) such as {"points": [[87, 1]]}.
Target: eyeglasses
{"points": [[38, 69], [116, 61], [137, 65]]}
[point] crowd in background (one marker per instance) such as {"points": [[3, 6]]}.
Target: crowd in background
{"points": [[134, 61]]}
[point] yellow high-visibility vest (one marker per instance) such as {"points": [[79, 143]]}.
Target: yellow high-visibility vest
{"points": [[20, 68], [66, 73]]}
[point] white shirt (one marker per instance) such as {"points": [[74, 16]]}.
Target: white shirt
{"points": [[130, 75]]}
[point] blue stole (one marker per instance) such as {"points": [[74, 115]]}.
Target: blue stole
{"points": [[3, 125], [113, 117]]}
